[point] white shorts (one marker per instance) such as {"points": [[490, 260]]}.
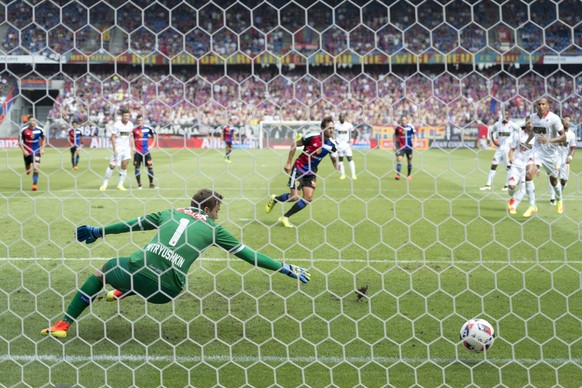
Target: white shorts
{"points": [[516, 175], [551, 163], [122, 156], [344, 149], [500, 155], [564, 172]]}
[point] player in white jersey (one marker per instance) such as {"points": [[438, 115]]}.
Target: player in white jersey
{"points": [[500, 134], [122, 151], [566, 150], [520, 155], [549, 132], [343, 136]]}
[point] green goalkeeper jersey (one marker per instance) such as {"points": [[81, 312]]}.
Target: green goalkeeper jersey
{"points": [[183, 234]]}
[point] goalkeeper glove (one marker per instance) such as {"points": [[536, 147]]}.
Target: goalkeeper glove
{"points": [[89, 234], [296, 272]]}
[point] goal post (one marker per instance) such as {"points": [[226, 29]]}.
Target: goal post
{"points": [[279, 134]]}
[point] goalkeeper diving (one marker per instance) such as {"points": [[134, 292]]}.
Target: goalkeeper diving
{"points": [[158, 271]]}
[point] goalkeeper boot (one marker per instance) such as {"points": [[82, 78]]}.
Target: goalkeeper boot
{"points": [[114, 295], [58, 330], [530, 211], [285, 222], [560, 206], [270, 204]]}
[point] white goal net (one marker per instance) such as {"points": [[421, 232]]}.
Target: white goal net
{"points": [[401, 252]]}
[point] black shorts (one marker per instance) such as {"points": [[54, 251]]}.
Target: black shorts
{"points": [[402, 152], [228, 143], [74, 149], [31, 158], [139, 158], [298, 181]]}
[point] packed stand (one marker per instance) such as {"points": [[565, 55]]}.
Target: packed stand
{"points": [[170, 31], [375, 98]]}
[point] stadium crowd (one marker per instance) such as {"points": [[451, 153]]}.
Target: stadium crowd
{"points": [[210, 99], [214, 95], [170, 27]]}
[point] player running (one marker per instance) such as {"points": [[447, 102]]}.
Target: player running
{"points": [[519, 156], [158, 272], [343, 131], [403, 140], [501, 133], [140, 142], [303, 173], [122, 151], [75, 140], [548, 131], [567, 150], [32, 143]]}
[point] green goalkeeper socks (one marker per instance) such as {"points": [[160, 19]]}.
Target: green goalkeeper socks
{"points": [[83, 298]]}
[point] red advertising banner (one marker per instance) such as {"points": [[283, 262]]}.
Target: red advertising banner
{"points": [[9, 143]]}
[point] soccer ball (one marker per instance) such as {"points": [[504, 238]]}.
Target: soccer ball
{"points": [[477, 335]]}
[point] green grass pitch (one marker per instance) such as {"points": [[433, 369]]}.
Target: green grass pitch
{"points": [[433, 252]]}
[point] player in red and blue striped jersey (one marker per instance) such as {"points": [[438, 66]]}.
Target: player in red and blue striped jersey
{"points": [[32, 143], [404, 135], [141, 136], [228, 135], [303, 174], [75, 140]]}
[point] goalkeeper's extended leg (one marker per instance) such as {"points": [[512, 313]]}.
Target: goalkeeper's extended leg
{"points": [[80, 302]]}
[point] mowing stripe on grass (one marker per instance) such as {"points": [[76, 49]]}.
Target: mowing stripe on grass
{"points": [[420, 261], [51, 358]]}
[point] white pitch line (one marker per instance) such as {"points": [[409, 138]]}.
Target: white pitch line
{"points": [[51, 358], [420, 261]]}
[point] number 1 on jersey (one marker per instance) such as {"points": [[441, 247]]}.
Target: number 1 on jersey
{"points": [[179, 231]]}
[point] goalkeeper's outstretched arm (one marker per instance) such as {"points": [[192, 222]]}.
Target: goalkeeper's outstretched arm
{"points": [[264, 261], [90, 234]]}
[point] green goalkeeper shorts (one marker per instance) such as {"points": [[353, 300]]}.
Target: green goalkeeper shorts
{"points": [[121, 276]]}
